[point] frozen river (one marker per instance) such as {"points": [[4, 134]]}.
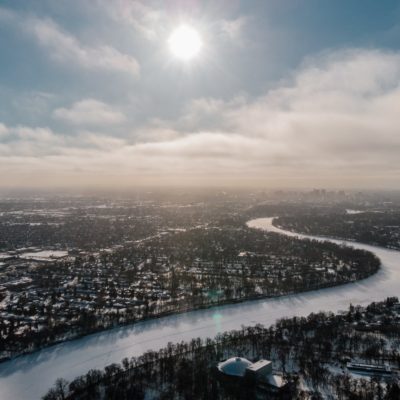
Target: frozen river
{"points": [[29, 377]]}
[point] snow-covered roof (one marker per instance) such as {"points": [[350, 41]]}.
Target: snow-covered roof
{"points": [[235, 366], [276, 380], [260, 365]]}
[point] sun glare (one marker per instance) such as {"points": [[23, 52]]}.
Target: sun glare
{"points": [[185, 42]]}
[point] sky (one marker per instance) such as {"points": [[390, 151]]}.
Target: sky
{"points": [[283, 94]]}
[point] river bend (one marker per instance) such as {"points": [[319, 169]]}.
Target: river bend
{"points": [[29, 377]]}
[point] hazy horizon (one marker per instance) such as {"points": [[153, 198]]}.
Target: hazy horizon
{"points": [[275, 95]]}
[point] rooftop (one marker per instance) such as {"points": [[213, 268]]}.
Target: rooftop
{"points": [[235, 366], [259, 365]]}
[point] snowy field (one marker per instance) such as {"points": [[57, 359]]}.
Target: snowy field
{"points": [[30, 376], [44, 254]]}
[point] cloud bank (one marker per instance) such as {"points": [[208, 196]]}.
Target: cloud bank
{"points": [[334, 122]]}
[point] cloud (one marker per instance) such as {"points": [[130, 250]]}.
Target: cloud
{"points": [[24, 141], [145, 19], [95, 140], [41, 142], [3, 130], [67, 49], [233, 27], [90, 112], [333, 122], [153, 22], [338, 112]]}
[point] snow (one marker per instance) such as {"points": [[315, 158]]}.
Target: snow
{"points": [[30, 376], [352, 212], [275, 380], [45, 254], [235, 366]]}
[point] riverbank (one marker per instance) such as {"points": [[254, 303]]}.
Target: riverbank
{"points": [[315, 266], [178, 312], [373, 240], [314, 352]]}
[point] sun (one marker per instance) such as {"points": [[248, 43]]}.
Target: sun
{"points": [[185, 43]]}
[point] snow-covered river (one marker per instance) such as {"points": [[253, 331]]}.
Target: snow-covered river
{"points": [[29, 377]]}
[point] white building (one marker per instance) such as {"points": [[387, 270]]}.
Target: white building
{"points": [[260, 372]]}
